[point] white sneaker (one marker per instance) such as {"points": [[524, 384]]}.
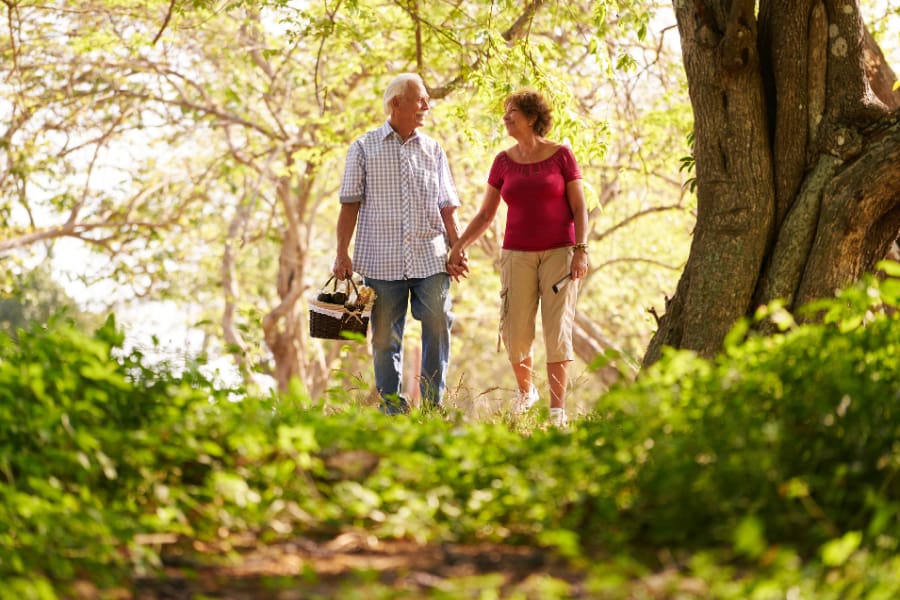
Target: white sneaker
{"points": [[523, 402], [558, 418]]}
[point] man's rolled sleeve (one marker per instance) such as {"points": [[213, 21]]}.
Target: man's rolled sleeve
{"points": [[447, 190], [353, 184]]}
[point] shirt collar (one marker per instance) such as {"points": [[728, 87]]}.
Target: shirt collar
{"points": [[386, 131]]}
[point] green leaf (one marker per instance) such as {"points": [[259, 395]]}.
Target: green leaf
{"points": [[836, 552], [749, 537]]}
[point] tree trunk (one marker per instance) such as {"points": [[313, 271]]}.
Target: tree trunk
{"points": [[797, 160], [286, 326], [282, 325]]}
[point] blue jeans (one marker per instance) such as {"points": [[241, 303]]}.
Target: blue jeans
{"points": [[429, 299]]}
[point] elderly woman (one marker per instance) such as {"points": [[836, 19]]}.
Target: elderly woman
{"points": [[544, 241]]}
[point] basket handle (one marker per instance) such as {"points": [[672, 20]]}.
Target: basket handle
{"points": [[334, 285], [355, 290]]}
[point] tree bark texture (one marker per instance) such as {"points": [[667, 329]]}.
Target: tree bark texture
{"points": [[796, 143], [286, 326]]}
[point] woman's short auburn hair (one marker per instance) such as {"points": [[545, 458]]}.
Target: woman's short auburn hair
{"points": [[532, 104]]}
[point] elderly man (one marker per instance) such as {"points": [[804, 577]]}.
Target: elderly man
{"points": [[397, 193]]}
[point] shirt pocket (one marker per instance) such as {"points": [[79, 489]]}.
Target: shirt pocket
{"points": [[426, 214], [425, 185]]}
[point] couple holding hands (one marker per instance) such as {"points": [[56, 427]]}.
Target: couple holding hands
{"points": [[398, 195]]}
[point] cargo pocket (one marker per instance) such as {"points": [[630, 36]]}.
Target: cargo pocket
{"points": [[504, 295], [504, 311]]}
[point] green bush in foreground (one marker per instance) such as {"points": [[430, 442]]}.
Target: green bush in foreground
{"points": [[93, 449], [772, 467]]}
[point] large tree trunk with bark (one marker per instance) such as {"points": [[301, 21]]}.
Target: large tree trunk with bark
{"points": [[797, 150]]}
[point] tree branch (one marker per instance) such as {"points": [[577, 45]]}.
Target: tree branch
{"points": [[72, 228], [319, 100], [12, 7], [851, 100], [633, 217], [515, 31], [858, 216], [165, 22], [879, 73]]}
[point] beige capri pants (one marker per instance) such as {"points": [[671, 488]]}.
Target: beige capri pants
{"points": [[526, 280]]}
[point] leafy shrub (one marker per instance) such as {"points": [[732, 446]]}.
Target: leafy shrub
{"points": [[785, 443], [89, 443], [796, 433]]}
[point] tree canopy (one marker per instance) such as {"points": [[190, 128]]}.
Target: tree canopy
{"points": [[193, 149]]}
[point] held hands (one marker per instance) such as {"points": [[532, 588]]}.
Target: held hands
{"points": [[457, 263], [457, 266]]}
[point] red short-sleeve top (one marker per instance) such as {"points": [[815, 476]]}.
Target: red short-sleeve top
{"points": [[538, 216]]}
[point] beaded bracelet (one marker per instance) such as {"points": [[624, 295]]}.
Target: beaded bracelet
{"points": [[580, 247]]}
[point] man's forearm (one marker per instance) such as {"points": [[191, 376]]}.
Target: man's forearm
{"points": [[346, 225], [448, 215]]}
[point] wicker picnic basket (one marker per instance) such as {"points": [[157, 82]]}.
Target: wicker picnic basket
{"points": [[340, 314]]}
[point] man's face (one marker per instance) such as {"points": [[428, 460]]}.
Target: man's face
{"points": [[411, 107]]}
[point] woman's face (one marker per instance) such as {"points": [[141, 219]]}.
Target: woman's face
{"points": [[515, 120]]}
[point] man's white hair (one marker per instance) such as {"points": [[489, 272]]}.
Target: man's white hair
{"points": [[398, 86]]}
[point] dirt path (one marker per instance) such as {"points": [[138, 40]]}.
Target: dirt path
{"points": [[347, 566]]}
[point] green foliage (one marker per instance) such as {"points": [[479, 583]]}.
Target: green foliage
{"points": [[773, 466], [795, 431], [85, 458], [34, 298], [689, 164]]}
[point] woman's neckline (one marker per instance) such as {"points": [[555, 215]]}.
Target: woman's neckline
{"points": [[534, 162]]}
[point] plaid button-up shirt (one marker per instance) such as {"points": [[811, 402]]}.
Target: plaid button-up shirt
{"points": [[401, 187]]}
